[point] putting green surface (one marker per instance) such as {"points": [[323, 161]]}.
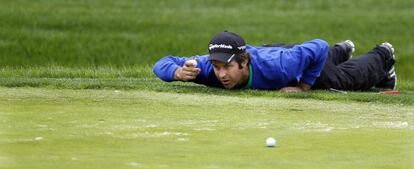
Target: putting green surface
{"points": [[54, 128]]}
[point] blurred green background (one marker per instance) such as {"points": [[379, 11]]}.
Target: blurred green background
{"points": [[122, 33]]}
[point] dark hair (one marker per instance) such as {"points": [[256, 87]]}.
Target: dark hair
{"points": [[239, 58]]}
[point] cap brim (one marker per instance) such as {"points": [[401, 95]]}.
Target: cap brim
{"points": [[222, 57]]}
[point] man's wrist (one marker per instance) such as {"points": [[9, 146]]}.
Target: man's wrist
{"points": [[177, 74], [304, 86]]}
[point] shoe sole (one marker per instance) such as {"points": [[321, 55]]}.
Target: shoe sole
{"points": [[348, 44], [391, 72], [390, 48]]}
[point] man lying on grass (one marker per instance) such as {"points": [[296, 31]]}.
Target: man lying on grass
{"points": [[232, 64]]}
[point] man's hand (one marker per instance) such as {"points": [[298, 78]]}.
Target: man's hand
{"points": [[302, 87], [188, 72], [291, 89]]}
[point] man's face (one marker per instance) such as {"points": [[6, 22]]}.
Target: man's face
{"points": [[230, 74]]}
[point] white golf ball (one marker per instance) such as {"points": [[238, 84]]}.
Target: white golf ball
{"points": [[270, 142], [193, 62]]}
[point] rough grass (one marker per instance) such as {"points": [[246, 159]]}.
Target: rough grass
{"points": [[83, 33], [141, 78], [55, 128]]}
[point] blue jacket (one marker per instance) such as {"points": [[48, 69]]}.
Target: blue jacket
{"points": [[270, 67]]}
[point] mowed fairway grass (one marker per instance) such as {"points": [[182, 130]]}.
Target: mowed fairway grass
{"points": [[54, 128], [77, 90]]}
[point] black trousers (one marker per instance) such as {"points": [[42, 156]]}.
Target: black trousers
{"points": [[361, 73]]}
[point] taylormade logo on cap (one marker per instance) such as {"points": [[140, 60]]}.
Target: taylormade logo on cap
{"points": [[223, 46]]}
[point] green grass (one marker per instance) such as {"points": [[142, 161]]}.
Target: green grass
{"points": [[141, 78], [55, 128], [83, 33]]}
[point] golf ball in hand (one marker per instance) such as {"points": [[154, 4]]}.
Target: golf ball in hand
{"points": [[270, 142], [193, 62]]}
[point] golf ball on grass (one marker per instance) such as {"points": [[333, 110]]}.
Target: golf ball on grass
{"points": [[270, 142]]}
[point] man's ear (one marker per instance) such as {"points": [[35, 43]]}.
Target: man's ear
{"points": [[245, 61]]}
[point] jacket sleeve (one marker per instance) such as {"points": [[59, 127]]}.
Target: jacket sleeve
{"points": [[166, 66], [317, 51], [306, 61]]}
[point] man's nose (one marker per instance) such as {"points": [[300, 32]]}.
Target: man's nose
{"points": [[222, 73]]}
